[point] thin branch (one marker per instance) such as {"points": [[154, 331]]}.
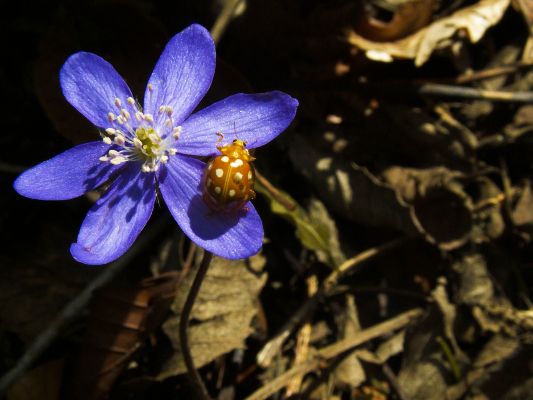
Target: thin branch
{"points": [[272, 347], [224, 18], [334, 350], [194, 376], [73, 309], [434, 89]]}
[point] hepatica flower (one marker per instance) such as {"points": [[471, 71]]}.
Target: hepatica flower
{"points": [[156, 145]]}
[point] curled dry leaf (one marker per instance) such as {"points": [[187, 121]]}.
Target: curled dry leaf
{"points": [[407, 199], [407, 17], [222, 314], [474, 20]]}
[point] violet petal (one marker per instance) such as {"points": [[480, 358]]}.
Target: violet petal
{"points": [[117, 218], [91, 85], [254, 118], [182, 75], [67, 175], [229, 235]]}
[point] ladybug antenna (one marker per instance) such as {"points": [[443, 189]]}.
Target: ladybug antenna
{"points": [[220, 138]]}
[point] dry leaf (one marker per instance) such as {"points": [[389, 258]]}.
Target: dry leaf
{"points": [[120, 320], [222, 314], [350, 372], [474, 20]]}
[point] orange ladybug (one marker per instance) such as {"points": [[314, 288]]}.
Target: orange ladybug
{"points": [[228, 181]]}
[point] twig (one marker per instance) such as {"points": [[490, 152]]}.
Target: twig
{"points": [[334, 350], [434, 89], [194, 376], [302, 341], [349, 264], [223, 19], [73, 309], [491, 72], [271, 348], [283, 200]]}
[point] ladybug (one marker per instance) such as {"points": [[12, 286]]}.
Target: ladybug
{"points": [[228, 181]]}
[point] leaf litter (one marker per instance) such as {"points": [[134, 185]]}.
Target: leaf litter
{"points": [[411, 212]]}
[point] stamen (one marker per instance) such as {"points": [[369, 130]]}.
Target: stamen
{"points": [[107, 140], [168, 123], [145, 168], [110, 116], [164, 159], [176, 132], [121, 120], [118, 103], [139, 115], [113, 153], [149, 117], [118, 160], [104, 158], [137, 143], [161, 109], [150, 87], [120, 140], [125, 114], [168, 110], [111, 131], [172, 151], [130, 101]]}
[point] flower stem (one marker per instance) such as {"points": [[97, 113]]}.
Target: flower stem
{"points": [[194, 376]]}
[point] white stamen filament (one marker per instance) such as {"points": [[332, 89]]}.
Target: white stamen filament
{"points": [[139, 139]]}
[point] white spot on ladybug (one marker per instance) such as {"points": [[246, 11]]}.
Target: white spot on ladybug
{"points": [[231, 193], [237, 163], [219, 172], [249, 174], [224, 159], [237, 178], [218, 189]]}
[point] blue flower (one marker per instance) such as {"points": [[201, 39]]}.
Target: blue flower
{"points": [[153, 146]]}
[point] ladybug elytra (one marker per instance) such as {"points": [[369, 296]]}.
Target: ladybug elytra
{"points": [[228, 182]]}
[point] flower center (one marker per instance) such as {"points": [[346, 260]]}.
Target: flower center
{"points": [[150, 142], [140, 138]]}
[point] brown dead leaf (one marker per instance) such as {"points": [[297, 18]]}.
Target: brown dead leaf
{"points": [[474, 20], [522, 212], [40, 383], [425, 373], [222, 314], [120, 320], [350, 372]]}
